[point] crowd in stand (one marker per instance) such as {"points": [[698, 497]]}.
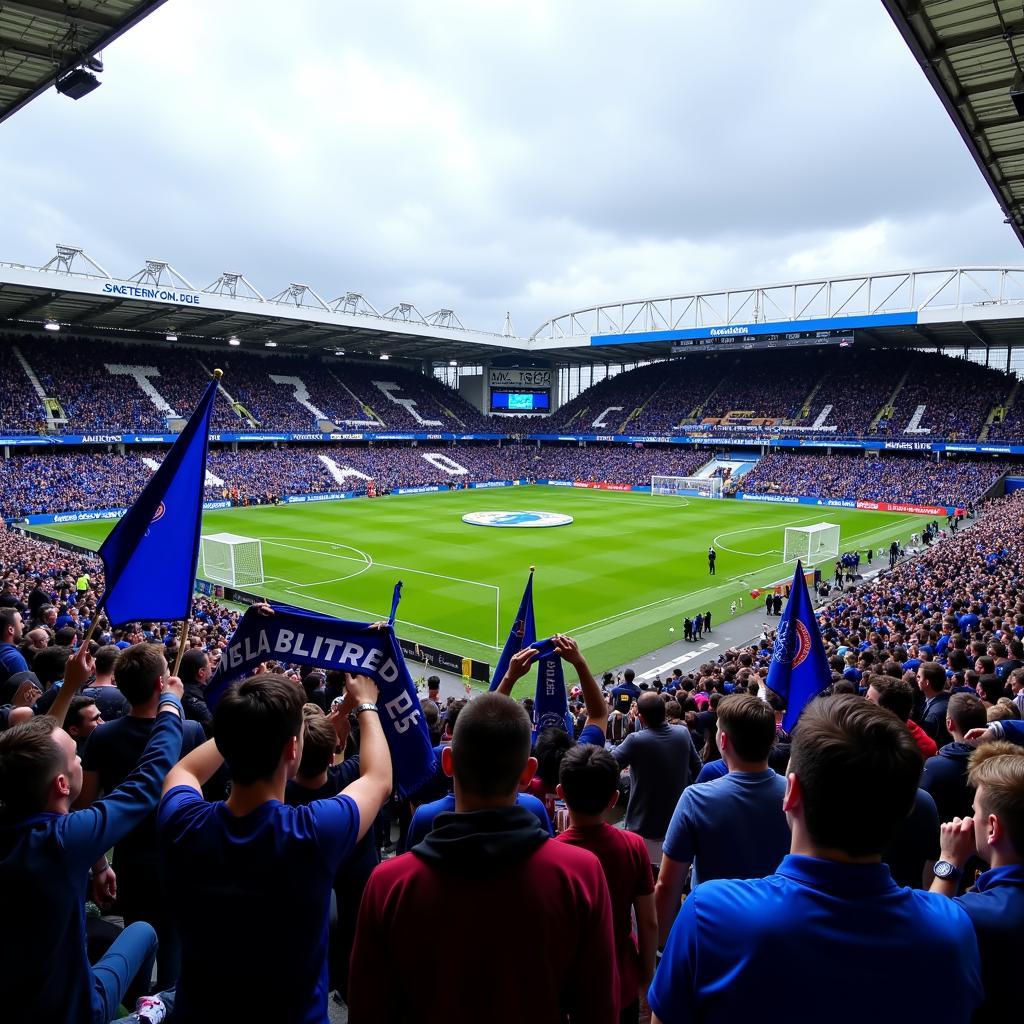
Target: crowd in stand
{"points": [[741, 842], [854, 384], [87, 378], [892, 478], [257, 475]]}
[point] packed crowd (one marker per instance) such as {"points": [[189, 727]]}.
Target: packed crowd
{"points": [[851, 386], [892, 478], [257, 475], [91, 382], [296, 394], [740, 842]]}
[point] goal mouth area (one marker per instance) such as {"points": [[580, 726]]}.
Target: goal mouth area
{"points": [[811, 545]]}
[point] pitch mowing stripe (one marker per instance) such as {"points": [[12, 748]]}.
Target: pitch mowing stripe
{"points": [[622, 546]]}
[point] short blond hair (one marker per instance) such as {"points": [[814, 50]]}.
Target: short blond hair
{"points": [[999, 768]]}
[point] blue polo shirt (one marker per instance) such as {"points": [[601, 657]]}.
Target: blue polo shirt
{"points": [[733, 827], [996, 908], [817, 940]]}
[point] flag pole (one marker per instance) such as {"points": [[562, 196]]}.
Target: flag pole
{"points": [[182, 643]]}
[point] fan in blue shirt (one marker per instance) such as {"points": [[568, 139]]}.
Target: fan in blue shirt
{"points": [[45, 856], [263, 894], [995, 903], [854, 771]]}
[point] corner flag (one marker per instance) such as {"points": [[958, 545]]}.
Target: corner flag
{"points": [[799, 670], [523, 634], [149, 558]]}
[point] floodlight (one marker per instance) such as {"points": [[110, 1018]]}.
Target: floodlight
{"points": [[77, 83], [233, 341], [384, 355], [51, 325], [270, 344], [169, 337]]}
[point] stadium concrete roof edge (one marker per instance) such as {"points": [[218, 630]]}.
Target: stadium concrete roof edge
{"points": [[952, 307], [966, 51], [43, 39]]}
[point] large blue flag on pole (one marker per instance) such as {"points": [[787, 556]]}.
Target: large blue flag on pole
{"points": [[799, 669], [523, 634], [149, 558]]}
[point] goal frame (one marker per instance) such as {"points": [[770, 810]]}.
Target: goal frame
{"points": [[812, 545], [687, 486], [232, 560]]}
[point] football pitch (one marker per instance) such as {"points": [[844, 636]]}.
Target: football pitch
{"points": [[628, 568]]}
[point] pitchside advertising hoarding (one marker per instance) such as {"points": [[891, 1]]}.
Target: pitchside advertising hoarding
{"points": [[905, 508]]}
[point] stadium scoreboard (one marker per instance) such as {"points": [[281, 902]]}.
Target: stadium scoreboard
{"points": [[519, 389], [788, 339]]}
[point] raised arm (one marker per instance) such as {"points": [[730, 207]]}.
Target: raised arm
{"points": [[517, 668], [373, 787], [597, 707], [196, 768], [98, 828], [78, 671]]}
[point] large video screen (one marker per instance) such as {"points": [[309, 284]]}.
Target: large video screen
{"points": [[519, 401]]}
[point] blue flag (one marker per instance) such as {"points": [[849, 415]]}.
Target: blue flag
{"points": [[523, 634], [294, 635], [149, 558], [799, 670]]}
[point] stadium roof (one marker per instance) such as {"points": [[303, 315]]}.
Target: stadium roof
{"points": [[970, 52], [952, 307], [74, 291], [41, 40]]}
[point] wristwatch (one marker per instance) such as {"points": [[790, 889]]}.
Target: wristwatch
{"points": [[367, 706], [943, 869]]}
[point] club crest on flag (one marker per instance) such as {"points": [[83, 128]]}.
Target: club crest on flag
{"points": [[792, 644]]}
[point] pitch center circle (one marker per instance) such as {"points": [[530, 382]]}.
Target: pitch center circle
{"points": [[517, 520]]}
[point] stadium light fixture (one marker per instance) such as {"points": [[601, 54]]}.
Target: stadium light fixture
{"points": [[233, 340], [1017, 93], [51, 325], [384, 355], [77, 83], [339, 351], [453, 362], [168, 337], [270, 344]]}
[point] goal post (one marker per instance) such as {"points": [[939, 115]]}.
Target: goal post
{"points": [[231, 559], [687, 486], [811, 544]]}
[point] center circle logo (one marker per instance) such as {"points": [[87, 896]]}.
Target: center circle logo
{"points": [[516, 519]]}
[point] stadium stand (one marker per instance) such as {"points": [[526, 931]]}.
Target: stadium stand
{"points": [[120, 387], [894, 478], [31, 484], [854, 392]]}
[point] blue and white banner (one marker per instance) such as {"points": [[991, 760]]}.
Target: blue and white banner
{"points": [[296, 636]]}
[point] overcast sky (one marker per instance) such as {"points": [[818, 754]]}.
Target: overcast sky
{"points": [[491, 155]]}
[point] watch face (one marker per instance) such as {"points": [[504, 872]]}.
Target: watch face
{"points": [[943, 869]]}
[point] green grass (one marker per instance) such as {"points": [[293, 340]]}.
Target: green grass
{"points": [[629, 566]]}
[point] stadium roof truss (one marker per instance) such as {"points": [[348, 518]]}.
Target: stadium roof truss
{"points": [[955, 307], [971, 53], [76, 292], [951, 307], [42, 39]]}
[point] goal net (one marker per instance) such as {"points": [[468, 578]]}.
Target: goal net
{"points": [[228, 558], [811, 544], [687, 486]]}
